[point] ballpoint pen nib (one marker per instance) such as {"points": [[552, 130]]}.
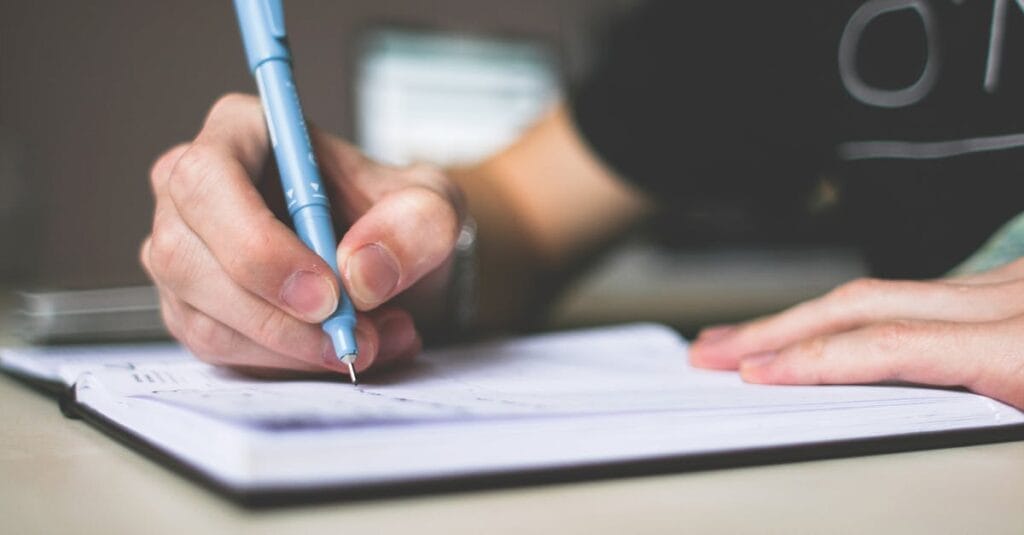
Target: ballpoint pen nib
{"points": [[352, 373]]}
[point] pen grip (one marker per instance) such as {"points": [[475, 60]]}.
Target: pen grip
{"points": [[296, 163]]}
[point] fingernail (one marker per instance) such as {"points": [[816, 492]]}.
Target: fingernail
{"points": [[758, 360], [716, 333], [310, 294], [372, 273]]}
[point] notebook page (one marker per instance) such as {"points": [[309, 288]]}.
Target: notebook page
{"points": [[63, 364], [589, 396], [620, 370], [545, 375]]}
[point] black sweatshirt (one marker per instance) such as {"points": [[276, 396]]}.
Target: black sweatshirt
{"points": [[914, 107]]}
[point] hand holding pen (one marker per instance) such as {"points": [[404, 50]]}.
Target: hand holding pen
{"points": [[239, 288]]}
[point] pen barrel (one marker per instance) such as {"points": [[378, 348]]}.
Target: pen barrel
{"points": [[315, 228], [300, 176]]}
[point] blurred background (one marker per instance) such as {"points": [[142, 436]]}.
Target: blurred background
{"points": [[92, 92]]}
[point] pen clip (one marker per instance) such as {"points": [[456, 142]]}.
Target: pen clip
{"points": [[263, 32], [273, 12]]}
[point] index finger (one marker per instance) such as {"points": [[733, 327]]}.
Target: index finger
{"points": [[235, 125], [974, 355], [212, 190], [852, 305]]}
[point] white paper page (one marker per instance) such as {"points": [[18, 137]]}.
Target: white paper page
{"points": [[63, 364], [589, 396], [620, 370], [547, 375]]}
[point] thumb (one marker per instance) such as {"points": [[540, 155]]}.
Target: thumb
{"points": [[402, 238]]}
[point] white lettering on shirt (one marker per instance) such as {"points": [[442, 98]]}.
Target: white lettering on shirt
{"points": [[915, 92]]}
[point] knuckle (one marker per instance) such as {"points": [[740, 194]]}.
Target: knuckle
{"points": [[207, 338], [804, 361], [163, 165], [232, 102], [856, 289], [171, 258], [811, 348], [194, 168], [889, 338], [432, 213]]}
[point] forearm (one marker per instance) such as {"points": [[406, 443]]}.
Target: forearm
{"points": [[541, 206]]}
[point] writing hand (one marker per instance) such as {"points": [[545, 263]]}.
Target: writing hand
{"points": [[238, 288]]}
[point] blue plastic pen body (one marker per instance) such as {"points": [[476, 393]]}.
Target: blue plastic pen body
{"points": [[262, 25]]}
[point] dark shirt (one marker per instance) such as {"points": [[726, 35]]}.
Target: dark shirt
{"points": [[914, 107]]}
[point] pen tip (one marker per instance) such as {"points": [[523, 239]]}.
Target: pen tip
{"points": [[352, 373]]}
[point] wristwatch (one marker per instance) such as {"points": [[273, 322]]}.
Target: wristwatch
{"points": [[462, 295]]}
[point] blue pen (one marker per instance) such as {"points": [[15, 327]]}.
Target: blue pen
{"points": [[266, 48]]}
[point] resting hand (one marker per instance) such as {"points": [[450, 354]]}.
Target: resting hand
{"points": [[966, 331], [238, 288]]}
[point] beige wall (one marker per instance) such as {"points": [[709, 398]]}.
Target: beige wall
{"points": [[91, 92]]}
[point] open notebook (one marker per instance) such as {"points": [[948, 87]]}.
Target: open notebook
{"points": [[594, 402]]}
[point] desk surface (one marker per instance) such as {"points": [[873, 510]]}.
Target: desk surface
{"points": [[61, 476]]}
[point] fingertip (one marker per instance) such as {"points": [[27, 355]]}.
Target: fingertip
{"points": [[369, 346], [716, 348], [696, 359], [329, 357], [703, 356], [413, 350], [398, 336], [371, 273]]}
